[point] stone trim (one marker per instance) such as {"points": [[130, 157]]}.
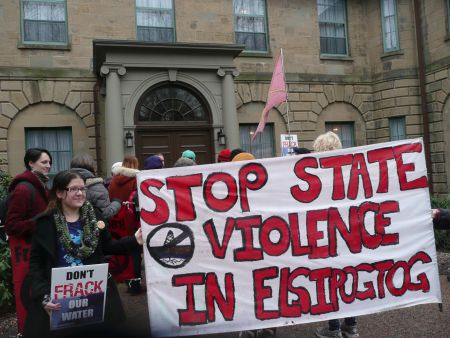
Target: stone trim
{"points": [[17, 95]]}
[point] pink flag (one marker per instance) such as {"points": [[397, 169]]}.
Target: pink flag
{"points": [[277, 94]]}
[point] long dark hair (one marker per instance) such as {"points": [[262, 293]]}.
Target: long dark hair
{"points": [[60, 182], [33, 154]]}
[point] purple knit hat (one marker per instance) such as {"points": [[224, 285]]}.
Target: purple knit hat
{"points": [[153, 162]]}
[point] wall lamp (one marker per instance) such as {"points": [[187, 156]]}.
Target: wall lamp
{"points": [[129, 139], [221, 138]]}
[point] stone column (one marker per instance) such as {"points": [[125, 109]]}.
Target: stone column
{"points": [[114, 133], [229, 113]]}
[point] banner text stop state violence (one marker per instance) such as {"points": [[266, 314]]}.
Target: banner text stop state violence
{"points": [[254, 176]]}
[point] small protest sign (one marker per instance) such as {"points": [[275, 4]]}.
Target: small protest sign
{"points": [[288, 240], [288, 141], [81, 291]]}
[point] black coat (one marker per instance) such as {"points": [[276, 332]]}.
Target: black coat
{"points": [[44, 257], [443, 221]]}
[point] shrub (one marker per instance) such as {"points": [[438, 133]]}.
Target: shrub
{"points": [[442, 236], [6, 286]]}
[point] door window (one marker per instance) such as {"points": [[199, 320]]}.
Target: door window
{"points": [[171, 103]]}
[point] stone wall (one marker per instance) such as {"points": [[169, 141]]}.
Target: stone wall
{"points": [[17, 96], [438, 93]]}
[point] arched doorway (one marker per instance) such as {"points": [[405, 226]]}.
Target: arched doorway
{"points": [[170, 118]]}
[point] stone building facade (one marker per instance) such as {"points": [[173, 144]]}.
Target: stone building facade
{"points": [[370, 88]]}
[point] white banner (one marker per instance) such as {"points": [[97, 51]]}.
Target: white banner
{"points": [[81, 291], [288, 240]]}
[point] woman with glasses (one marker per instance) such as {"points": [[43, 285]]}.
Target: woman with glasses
{"points": [[28, 196], [69, 234]]}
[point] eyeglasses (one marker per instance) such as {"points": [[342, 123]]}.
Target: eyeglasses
{"points": [[74, 190]]}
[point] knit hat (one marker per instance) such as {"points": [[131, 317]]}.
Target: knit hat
{"points": [[224, 156], [300, 151], [188, 154], [153, 162], [243, 157]]}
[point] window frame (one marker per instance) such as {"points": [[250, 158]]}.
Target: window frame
{"points": [[45, 43], [266, 30], [347, 53], [52, 152], [393, 120], [174, 31], [383, 27], [341, 123]]}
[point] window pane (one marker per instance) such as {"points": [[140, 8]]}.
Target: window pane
{"points": [[397, 128], [171, 103], [250, 24], [345, 131], [44, 21], [154, 20], [390, 32], [332, 26], [263, 146]]}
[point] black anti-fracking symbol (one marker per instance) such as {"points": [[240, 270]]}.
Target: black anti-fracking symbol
{"points": [[171, 245]]}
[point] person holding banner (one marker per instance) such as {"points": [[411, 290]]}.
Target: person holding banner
{"points": [[326, 142], [69, 234], [441, 219], [124, 223]]}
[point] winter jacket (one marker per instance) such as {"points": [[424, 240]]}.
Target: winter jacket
{"points": [[98, 196], [44, 258], [21, 208], [443, 220], [24, 204], [123, 183]]}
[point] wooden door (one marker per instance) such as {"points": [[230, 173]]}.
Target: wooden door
{"points": [[171, 143]]}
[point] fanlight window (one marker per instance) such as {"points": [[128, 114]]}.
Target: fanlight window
{"points": [[171, 103]]}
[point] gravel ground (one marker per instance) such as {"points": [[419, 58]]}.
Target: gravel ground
{"points": [[417, 321]]}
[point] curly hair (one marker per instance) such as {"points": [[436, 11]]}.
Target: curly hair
{"points": [[327, 141]]}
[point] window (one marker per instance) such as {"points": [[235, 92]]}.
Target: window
{"points": [[250, 24], [332, 26], [345, 131], [171, 103], [155, 20], [397, 128], [58, 141], [389, 23], [44, 21], [263, 146]]}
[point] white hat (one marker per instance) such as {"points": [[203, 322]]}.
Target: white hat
{"points": [[114, 166]]}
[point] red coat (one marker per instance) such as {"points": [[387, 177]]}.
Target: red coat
{"points": [[20, 224], [123, 183]]}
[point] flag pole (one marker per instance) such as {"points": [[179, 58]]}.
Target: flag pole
{"points": [[286, 99]]}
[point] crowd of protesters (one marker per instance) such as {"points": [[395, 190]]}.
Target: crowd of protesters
{"points": [[75, 223]]}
